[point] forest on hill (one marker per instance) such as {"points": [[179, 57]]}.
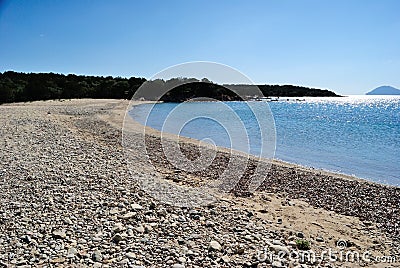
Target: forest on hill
{"points": [[20, 87]]}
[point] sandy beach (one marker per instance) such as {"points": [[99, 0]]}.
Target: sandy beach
{"points": [[69, 199]]}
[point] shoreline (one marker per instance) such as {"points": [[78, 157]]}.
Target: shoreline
{"points": [[346, 202], [65, 181], [334, 179], [276, 161]]}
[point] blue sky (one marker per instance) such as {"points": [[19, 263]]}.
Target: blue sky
{"points": [[348, 46]]}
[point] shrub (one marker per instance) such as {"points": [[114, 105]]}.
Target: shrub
{"points": [[303, 244]]}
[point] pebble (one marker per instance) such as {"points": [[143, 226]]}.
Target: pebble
{"points": [[130, 255], [277, 242], [277, 264], [97, 256], [59, 234], [97, 265], [114, 211], [72, 252], [69, 199], [140, 229], [55, 260], [128, 215], [209, 223], [225, 259], [136, 206], [278, 248], [118, 227], [300, 235], [117, 238], [214, 245], [26, 239]]}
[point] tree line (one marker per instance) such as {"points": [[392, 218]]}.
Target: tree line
{"points": [[20, 87], [16, 87]]}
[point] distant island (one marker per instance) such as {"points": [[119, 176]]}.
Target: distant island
{"points": [[384, 90], [192, 90], [20, 87]]}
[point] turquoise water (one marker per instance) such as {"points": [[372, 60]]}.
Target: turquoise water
{"points": [[356, 135]]}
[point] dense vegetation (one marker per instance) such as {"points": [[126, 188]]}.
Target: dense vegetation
{"points": [[43, 86], [16, 87], [294, 91]]}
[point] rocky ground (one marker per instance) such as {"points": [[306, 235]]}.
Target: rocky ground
{"points": [[68, 199]]}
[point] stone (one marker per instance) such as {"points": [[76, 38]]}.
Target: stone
{"points": [[162, 212], [190, 253], [128, 215], [57, 260], [277, 242], [129, 232], [178, 265], [59, 234], [72, 252], [214, 245], [278, 249], [26, 239], [152, 205], [209, 223], [136, 206], [130, 255], [368, 223], [319, 239], [239, 249], [225, 259], [97, 265], [276, 264], [117, 238], [82, 241], [248, 238], [114, 211], [148, 228], [118, 227], [194, 212], [97, 256], [124, 262], [139, 229]]}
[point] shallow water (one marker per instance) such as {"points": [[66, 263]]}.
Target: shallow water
{"points": [[356, 135]]}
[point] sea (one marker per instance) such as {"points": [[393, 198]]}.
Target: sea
{"points": [[353, 135]]}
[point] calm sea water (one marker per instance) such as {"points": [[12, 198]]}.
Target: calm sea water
{"points": [[356, 135]]}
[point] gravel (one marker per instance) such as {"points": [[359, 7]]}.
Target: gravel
{"points": [[68, 199]]}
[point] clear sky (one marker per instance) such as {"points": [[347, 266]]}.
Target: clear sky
{"points": [[347, 46]]}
